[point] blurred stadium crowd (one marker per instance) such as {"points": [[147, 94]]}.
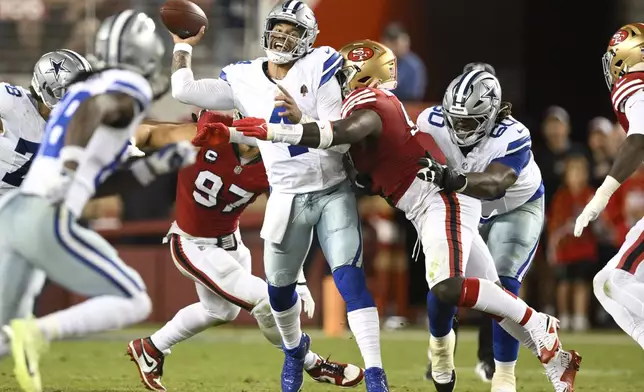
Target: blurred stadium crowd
{"points": [[564, 265]]}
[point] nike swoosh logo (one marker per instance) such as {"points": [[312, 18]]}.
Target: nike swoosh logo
{"points": [[146, 358], [521, 130]]}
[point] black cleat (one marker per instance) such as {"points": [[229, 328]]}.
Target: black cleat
{"points": [[449, 387]]}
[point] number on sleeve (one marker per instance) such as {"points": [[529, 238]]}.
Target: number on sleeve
{"points": [[28, 149], [436, 117], [276, 119], [13, 90], [208, 185], [500, 129]]}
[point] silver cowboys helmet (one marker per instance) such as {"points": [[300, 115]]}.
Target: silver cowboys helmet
{"points": [[129, 40], [52, 73], [281, 47], [470, 105]]}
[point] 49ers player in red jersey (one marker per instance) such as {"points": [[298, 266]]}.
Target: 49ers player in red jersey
{"points": [[619, 286], [206, 246], [460, 269]]}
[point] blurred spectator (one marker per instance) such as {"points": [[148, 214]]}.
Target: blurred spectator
{"points": [[557, 146], [601, 158], [412, 74], [574, 257]]}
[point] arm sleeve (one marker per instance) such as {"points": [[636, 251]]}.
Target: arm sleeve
{"points": [[214, 94], [634, 109]]}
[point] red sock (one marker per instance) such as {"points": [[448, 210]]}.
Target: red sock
{"points": [[484, 295]]}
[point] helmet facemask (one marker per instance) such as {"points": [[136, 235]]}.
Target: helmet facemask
{"points": [[284, 45], [467, 130]]}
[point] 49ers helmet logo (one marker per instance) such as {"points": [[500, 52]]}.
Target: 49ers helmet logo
{"points": [[618, 37], [360, 54]]}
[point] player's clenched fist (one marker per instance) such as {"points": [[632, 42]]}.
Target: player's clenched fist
{"points": [[441, 175], [211, 135]]}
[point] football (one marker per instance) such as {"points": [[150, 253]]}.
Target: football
{"points": [[183, 18]]}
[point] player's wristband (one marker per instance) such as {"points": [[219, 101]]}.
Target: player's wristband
{"points": [[326, 134], [281, 133], [182, 47], [608, 187]]}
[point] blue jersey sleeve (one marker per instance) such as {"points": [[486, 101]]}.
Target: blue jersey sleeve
{"points": [[331, 65], [517, 154]]}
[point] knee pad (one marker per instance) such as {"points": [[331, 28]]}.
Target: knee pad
{"points": [[599, 282], [352, 285], [282, 298], [262, 313], [510, 284]]}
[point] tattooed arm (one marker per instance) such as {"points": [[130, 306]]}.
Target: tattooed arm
{"points": [[214, 94]]}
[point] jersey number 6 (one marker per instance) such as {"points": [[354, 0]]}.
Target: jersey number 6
{"points": [[209, 185]]}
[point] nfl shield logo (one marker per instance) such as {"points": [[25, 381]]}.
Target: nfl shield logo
{"points": [[238, 169]]}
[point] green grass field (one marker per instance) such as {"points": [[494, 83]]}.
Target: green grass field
{"points": [[240, 360]]}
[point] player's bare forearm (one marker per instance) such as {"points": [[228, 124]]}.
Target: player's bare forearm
{"points": [[356, 127], [180, 59], [153, 136], [491, 183], [629, 158]]}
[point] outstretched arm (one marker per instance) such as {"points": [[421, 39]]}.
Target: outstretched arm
{"points": [[323, 134]]}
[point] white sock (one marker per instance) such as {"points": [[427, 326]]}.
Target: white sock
{"points": [[506, 368], [520, 333], [188, 322], [288, 323], [365, 326], [486, 296], [96, 314], [442, 353], [310, 360]]}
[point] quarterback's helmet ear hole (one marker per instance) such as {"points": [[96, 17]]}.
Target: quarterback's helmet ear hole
{"points": [[364, 80], [619, 63]]}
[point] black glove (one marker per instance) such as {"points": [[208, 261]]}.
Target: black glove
{"points": [[446, 179], [363, 185]]}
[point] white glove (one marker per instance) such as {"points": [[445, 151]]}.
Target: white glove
{"points": [[132, 151], [307, 299], [596, 205], [170, 158]]}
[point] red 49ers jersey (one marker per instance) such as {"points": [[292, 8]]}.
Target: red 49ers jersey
{"points": [[392, 158], [625, 86], [212, 193]]}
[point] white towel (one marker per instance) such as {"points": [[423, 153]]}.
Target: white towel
{"points": [[277, 216]]}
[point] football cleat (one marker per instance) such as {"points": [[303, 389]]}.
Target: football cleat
{"points": [[442, 353], [376, 380], [545, 337], [484, 371], [149, 362], [339, 374], [563, 369], [27, 346], [293, 368]]}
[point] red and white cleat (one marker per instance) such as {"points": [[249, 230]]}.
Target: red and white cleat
{"points": [[562, 370], [149, 361], [545, 337], [339, 374]]}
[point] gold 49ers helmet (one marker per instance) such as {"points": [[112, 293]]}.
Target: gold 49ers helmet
{"points": [[367, 63], [625, 50]]}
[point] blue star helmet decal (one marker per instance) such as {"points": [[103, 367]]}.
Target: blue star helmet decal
{"points": [[57, 67]]}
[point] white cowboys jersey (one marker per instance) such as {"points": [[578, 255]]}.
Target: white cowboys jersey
{"points": [[311, 82], [508, 143], [22, 131], [100, 161]]}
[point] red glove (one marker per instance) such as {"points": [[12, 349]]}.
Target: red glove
{"points": [[252, 127], [207, 117], [211, 135]]}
